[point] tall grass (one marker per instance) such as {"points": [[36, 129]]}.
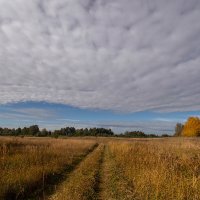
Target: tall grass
{"points": [[135, 169], [83, 182], [160, 169], [114, 185], [26, 162]]}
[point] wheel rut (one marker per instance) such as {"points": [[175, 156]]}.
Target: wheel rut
{"points": [[102, 175], [83, 182], [52, 181], [112, 184]]}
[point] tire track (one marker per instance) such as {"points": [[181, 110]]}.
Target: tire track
{"points": [[101, 179], [83, 182], [113, 185], [52, 181]]}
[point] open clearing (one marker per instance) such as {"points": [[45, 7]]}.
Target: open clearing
{"points": [[99, 168]]}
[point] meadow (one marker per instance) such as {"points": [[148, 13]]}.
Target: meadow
{"points": [[100, 168]]}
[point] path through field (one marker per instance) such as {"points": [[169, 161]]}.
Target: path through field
{"points": [[101, 169], [113, 186], [54, 180], [96, 177]]}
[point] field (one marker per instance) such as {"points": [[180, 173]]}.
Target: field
{"points": [[99, 168]]}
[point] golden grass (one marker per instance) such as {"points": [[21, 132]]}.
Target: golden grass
{"points": [[160, 169], [81, 184], [113, 185], [25, 162], [126, 169]]}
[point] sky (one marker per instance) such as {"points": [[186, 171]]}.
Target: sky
{"points": [[125, 65]]}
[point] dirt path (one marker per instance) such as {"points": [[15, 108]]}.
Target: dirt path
{"points": [[109, 182], [99, 175], [52, 181], [83, 182], [103, 175], [112, 184]]}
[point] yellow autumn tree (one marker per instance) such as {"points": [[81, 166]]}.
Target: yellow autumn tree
{"points": [[191, 127]]}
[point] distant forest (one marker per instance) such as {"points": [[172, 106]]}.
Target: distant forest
{"points": [[71, 132], [190, 129]]}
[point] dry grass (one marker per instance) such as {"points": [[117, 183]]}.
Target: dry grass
{"points": [[161, 169], [126, 169], [25, 162], [114, 186], [82, 183]]}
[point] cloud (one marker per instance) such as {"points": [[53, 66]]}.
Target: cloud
{"points": [[27, 114], [119, 55]]}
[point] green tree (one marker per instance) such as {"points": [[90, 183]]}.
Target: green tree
{"points": [[44, 132], [34, 130], [178, 129]]}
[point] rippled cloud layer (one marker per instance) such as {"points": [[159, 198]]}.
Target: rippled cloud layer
{"points": [[125, 55]]}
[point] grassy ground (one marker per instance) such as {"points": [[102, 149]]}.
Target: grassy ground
{"points": [[26, 163], [83, 182], [113, 185], [161, 169], [118, 169]]}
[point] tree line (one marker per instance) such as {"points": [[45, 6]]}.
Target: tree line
{"points": [[140, 134], [72, 132], [68, 131]]}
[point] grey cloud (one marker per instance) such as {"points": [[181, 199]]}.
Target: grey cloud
{"points": [[27, 114], [119, 55]]}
